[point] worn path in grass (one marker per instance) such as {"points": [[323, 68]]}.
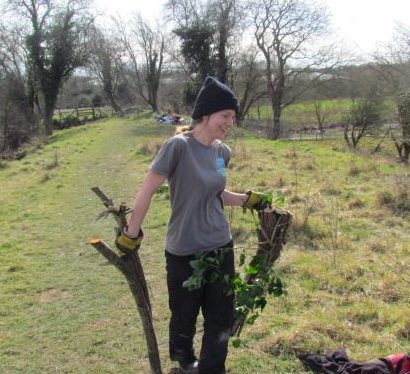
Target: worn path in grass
{"points": [[63, 309]]}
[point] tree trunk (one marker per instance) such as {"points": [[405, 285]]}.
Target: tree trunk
{"points": [[152, 94], [5, 128], [404, 119], [109, 91], [47, 125], [114, 104], [277, 90], [346, 135], [276, 127]]}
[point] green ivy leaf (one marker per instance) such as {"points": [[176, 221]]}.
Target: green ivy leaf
{"points": [[242, 258], [236, 342], [279, 199], [250, 270], [213, 277], [261, 303], [252, 318], [277, 287]]}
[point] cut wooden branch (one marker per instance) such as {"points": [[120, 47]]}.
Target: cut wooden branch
{"points": [[108, 253], [272, 234], [130, 266]]}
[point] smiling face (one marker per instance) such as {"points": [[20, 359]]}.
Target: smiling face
{"points": [[219, 124]]}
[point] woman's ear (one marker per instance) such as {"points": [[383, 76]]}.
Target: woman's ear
{"points": [[205, 119]]}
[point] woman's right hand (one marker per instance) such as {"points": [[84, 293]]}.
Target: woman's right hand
{"points": [[127, 244]]}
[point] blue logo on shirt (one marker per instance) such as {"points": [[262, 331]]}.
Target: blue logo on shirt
{"points": [[220, 166]]}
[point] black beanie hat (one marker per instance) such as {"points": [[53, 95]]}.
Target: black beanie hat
{"points": [[213, 97]]}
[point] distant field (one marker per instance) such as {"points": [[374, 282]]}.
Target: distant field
{"points": [[63, 309], [304, 112]]}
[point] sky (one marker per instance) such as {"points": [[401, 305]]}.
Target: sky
{"points": [[361, 24]]}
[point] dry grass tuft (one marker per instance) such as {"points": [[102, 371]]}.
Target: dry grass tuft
{"points": [[52, 295], [404, 331], [378, 247], [354, 170], [279, 183], [356, 204], [151, 148]]}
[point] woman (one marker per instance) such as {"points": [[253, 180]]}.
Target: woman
{"points": [[194, 164]]}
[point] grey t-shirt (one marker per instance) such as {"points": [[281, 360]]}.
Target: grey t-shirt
{"points": [[197, 177]]}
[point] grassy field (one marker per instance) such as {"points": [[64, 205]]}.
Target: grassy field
{"points": [[303, 112], [63, 309]]}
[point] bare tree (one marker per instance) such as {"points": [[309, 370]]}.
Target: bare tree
{"points": [[393, 61], [11, 50], [248, 78], [17, 122], [184, 12], [144, 46], [210, 33], [320, 91], [287, 33], [105, 63], [193, 52], [55, 46], [363, 118], [403, 143], [393, 65], [321, 112], [229, 16]]}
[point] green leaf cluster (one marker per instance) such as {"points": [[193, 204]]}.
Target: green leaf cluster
{"points": [[250, 297], [206, 268]]}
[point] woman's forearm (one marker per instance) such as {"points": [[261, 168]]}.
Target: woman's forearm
{"points": [[142, 202], [233, 199]]}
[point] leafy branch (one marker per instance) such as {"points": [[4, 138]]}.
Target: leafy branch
{"points": [[258, 280], [250, 297]]}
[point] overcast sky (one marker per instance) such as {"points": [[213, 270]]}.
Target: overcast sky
{"points": [[362, 24]]}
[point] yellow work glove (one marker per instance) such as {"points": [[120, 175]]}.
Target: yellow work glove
{"points": [[256, 200], [126, 244]]}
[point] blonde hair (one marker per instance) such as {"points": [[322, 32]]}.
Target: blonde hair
{"points": [[190, 127], [181, 129]]}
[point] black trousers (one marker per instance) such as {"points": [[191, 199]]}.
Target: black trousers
{"points": [[217, 309]]}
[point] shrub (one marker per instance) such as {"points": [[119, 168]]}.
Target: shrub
{"points": [[385, 198], [378, 247], [398, 200], [67, 122], [16, 138], [363, 117]]}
